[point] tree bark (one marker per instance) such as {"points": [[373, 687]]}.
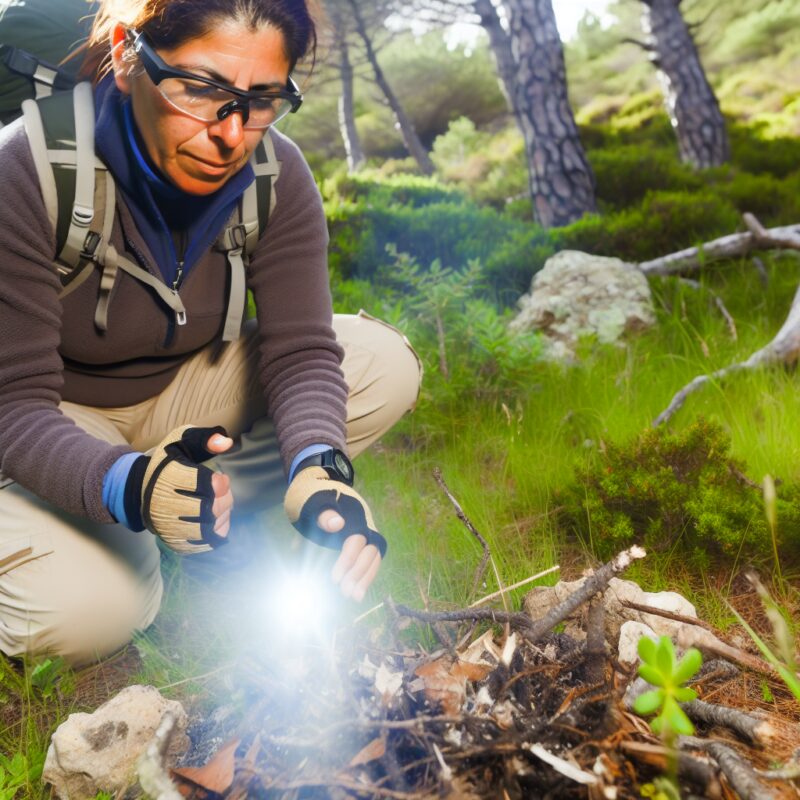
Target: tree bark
{"points": [[561, 181], [500, 42], [404, 124], [690, 101], [347, 117]]}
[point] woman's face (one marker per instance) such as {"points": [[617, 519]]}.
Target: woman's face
{"points": [[199, 157]]}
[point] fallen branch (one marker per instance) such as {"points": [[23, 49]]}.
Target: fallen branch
{"points": [[750, 728], [598, 582], [741, 775], [660, 612], [596, 642], [709, 643], [699, 772], [735, 245], [784, 347]]}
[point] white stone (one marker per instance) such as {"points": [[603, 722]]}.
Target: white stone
{"points": [[629, 635], [577, 294], [542, 598], [91, 753]]}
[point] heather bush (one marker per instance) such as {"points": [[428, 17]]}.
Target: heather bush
{"points": [[676, 490]]}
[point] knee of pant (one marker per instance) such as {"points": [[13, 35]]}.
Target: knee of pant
{"points": [[86, 620], [402, 374]]}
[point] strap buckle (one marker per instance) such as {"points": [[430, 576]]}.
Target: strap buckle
{"points": [[90, 245]]}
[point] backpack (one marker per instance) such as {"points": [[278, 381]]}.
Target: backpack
{"points": [[36, 36], [80, 196]]}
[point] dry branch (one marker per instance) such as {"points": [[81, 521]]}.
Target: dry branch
{"points": [[598, 582], [481, 570], [741, 775], [750, 728], [731, 246]]}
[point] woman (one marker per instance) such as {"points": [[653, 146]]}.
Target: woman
{"points": [[93, 418]]}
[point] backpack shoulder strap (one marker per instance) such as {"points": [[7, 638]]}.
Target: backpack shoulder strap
{"points": [[77, 188], [247, 226]]}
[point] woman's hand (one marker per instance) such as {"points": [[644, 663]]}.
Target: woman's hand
{"points": [[332, 514], [358, 564]]}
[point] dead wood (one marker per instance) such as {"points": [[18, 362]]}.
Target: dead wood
{"points": [[750, 728], [598, 582], [481, 570], [697, 770], [709, 643], [660, 612], [732, 246], [784, 348], [596, 641], [741, 775]]}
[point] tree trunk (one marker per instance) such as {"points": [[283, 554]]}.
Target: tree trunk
{"points": [[689, 99], [347, 119], [404, 124], [501, 47], [561, 181]]}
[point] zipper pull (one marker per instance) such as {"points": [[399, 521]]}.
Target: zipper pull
{"points": [[180, 316]]}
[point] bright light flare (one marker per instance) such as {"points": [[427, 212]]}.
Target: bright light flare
{"points": [[299, 605]]}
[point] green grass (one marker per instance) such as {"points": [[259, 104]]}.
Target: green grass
{"points": [[508, 467]]}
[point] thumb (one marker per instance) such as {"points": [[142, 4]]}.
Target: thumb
{"points": [[219, 443]]}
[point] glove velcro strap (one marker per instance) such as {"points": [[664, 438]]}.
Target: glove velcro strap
{"points": [[178, 495], [311, 492]]}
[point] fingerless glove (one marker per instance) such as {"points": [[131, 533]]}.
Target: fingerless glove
{"points": [[313, 491], [170, 492]]}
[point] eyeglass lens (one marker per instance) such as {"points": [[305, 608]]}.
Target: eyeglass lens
{"points": [[203, 101]]}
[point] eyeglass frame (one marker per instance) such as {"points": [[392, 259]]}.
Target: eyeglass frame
{"points": [[158, 70]]}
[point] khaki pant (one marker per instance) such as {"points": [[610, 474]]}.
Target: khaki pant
{"points": [[79, 589]]}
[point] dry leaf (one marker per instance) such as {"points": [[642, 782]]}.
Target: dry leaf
{"points": [[471, 671], [374, 750], [442, 687], [482, 651], [217, 775]]}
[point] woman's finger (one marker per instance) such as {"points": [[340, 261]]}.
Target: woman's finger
{"points": [[359, 569], [223, 523], [330, 521], [353, 545], [364, 584]]}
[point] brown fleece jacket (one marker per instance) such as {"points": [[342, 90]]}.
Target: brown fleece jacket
{"points": [[50, 350]]}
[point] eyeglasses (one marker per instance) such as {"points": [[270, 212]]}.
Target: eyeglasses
{"points": [[208, 100]]}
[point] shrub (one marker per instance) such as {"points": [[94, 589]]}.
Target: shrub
{"points": [[663, 223], [452, 231], [754, 153], [674, 490], [626, 173], [773, 201]]}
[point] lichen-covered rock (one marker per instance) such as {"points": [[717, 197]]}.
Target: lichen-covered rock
{"points": [[91, 753], [577, 294]]}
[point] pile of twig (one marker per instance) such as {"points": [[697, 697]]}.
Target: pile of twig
{"points": [[497, 706]]}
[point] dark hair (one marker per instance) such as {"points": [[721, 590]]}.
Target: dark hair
{"points": [[170, 23]]}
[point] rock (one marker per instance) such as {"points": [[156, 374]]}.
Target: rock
{"points": [[577, 294], [542, 598], [629, 635], [91, 753]]}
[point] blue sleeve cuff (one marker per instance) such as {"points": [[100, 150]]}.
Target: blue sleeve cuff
{"points": [[311, 450], [114, 486]]}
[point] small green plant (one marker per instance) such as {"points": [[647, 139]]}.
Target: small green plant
{"points": [[660, 668], [17, 772]]}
